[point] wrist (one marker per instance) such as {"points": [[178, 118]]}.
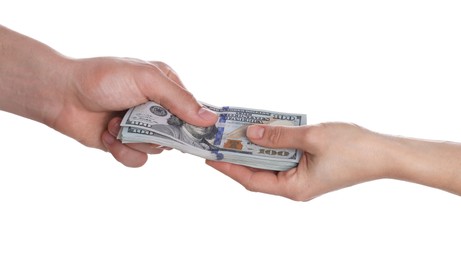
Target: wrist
{"points": [[394, 154], [427, 162], [381, 156], [33, 77], [406, 158], [53, 90]]}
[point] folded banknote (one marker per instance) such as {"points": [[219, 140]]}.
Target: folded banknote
{"points": [[224, 141]]}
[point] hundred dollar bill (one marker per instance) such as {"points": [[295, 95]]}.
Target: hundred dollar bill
{"points": [[226, 140]]}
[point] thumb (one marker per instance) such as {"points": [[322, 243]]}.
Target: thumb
{"points": [[278, 136]]}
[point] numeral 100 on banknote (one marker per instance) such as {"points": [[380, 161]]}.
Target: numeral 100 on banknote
{"points": [[273, 152]]}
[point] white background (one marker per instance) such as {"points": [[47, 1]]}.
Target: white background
{"points": [[391, 66]]}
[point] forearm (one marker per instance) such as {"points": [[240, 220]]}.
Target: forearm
{"points": [[32, 77], [430, 163]]}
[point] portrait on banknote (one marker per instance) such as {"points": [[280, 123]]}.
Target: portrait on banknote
{"points": [[194, 135]]}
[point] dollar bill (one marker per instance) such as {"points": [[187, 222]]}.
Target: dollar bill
{"points": [[224, 141]]}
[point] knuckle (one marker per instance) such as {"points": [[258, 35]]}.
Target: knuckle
{"points": [[275, 135], [164, 68], [249, 187], [294, 189], [297, 197], [313, 135], [161, 64], [120, 154], [249, 184]]}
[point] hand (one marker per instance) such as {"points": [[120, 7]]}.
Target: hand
{"points": [[78, 97], [335, 155], [106, 86]]}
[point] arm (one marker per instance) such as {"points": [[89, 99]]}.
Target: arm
{"points": [[338, 155], [32, 77], [81, 97]]}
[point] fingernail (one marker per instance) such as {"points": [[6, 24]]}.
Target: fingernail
{"points": [[107, 138], [207, 114], [164, 147], [255, 132]]}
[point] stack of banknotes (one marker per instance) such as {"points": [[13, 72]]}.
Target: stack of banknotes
{"points": [[225, 141]]}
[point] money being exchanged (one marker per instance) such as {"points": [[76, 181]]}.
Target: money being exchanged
{"points": [[225, 141]]}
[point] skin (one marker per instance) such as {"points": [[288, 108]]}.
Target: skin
{"points": [[339, 155], [84, 98]]}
